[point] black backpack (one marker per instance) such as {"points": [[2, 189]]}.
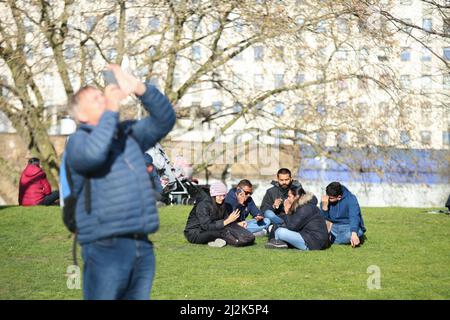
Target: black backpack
{"points": [[69, 196]]}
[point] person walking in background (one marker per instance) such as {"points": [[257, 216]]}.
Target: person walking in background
{"points": [[34, 188], [341, 210], [106, 160]]}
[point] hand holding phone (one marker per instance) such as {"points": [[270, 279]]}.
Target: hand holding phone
{"points": [[109, 77]]}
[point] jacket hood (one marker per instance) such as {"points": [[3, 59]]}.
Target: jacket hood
{"points": [[308, 197], [295, 183], [31, 171], [345, 192]]}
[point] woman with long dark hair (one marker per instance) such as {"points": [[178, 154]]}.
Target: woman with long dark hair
{"points": [[303, 227]]}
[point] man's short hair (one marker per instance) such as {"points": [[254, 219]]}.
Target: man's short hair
{"points": [[284, 171], [75, 99], [34, 161], [334, 189], [245, 183]]}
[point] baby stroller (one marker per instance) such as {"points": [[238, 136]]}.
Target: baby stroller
{"points": [[178, 185]]}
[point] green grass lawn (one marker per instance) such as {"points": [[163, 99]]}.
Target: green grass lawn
{"points": [[411, 248]]}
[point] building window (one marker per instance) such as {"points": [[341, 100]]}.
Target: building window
{"points": [[196, 53], [427, 24], [405, 54], [111, 23], [132, 25], [258, 53], [154, 23], [279, 80], [320, 27], [342, 84], [362, 109], [300, 78], [426, 82], [446, 26], [446, 81], [279, 109], [299, 109], [196, 24], [217, 106], [215, 25], [28, 52], [342, 25], [426, 54], [341, 54], [321, 109], [384, 138], [258, 80], [404, 137], [446, 138], [425, 137], [90, 23], [446, 52], [341, 105], [321, 138], [111, 54], [341, 138], [405, 81], [238, 25], [406, 25], [363, 54], [69, 51]]}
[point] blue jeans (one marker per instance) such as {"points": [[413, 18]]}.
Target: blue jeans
{"points": [[118, 268], [341, 234], [255, 226], [293, 238], [269, 214]]}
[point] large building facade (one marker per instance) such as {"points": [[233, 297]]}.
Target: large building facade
{"points": [[362, 100]]}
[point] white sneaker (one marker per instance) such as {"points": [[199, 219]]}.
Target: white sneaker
{"points": [[218, 243]]}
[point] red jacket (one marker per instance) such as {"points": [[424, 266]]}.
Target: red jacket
{"points": [[34, 186]]}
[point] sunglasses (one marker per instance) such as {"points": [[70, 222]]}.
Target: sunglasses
{"points": [[247, 193]]}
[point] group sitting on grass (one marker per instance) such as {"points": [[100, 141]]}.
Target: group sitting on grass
{"points": [[289, 216]]}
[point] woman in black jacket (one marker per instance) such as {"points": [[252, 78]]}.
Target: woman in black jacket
{"points": [[303, 228], [208, 218]]}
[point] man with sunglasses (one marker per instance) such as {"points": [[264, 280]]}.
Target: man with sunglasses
{"points": [[240, 198], [342, 213]]}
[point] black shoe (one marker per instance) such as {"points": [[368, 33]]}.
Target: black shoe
{"points": [[276, 244]]}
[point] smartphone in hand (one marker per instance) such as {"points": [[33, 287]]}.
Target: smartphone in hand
{"points": [[109, 78]]}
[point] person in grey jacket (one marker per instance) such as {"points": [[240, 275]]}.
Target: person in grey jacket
{"points": [[116, 207], [273, 202]]}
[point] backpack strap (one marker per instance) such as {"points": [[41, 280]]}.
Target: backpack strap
{"points": [[87, 185]]}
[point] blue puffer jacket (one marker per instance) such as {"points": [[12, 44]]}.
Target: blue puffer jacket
{"points": [[111, 155], [345, 211]]}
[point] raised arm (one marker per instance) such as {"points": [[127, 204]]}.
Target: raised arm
{"points": [[88, 151], [158, 124]]}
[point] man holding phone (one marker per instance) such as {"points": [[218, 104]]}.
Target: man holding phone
{"points": [[105, 158], [240, 198]]}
